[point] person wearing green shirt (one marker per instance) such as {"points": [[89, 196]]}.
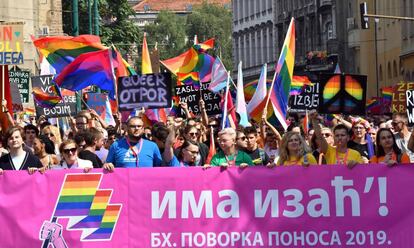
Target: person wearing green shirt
{"points": [[229, 154]]}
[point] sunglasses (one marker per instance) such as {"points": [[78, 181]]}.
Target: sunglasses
{"points": [[193, 134], [242, 138], [49, 134], [326, 135], [67, 151]]}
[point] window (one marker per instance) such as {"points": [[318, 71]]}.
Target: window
{"points": [[389, 70], [395, 70], [381, 76]]}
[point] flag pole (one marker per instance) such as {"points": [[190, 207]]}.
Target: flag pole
{"points": [[223, 124]]}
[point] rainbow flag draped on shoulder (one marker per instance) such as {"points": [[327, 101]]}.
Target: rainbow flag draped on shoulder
{"points": [[280, 89]]}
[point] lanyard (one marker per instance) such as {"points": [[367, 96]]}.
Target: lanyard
{"points": [[135, 153], [231, 162], [345, 157]]}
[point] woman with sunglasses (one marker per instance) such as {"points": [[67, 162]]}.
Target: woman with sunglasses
{"points": [[192, 134], [44, 150], [53, 134], [387, 149], [69, 151], [294, 151], [188, 154], [17, 158]]}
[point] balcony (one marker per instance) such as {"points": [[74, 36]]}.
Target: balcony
{"points": [[325, 3], [354, 38]]}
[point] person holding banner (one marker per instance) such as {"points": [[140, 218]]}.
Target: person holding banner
{"points": [[44, 150], [17, 158], [257, 154], [387, 150], [229, 154], [133, 151], [69, 151], [188, 154], [340, 154], [294, 151]]}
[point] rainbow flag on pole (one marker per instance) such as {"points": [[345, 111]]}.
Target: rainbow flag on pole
{"points": [[146, 60], [191, 78], [281, 83], [60, 51]]}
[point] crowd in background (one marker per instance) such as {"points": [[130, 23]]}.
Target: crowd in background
{"points": [[187, 141]]}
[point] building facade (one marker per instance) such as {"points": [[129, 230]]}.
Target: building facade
{"points": [[40, 18], [146, 11], [385, 51], [253, 35], [259, 29], [407, 41]]}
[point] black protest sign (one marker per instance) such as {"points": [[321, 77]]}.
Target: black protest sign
{"points": [[67, 107], [21, 79], [308, 99], [342, 94], [191, 96], [149, 91], [409, 96]]}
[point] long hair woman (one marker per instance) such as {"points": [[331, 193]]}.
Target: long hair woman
{"points": [[44, 149], [294, 151], [387, 150]]}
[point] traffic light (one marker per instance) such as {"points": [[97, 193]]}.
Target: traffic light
{"points": [[363, 10]]}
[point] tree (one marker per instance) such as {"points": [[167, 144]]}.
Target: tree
{"points": [[168, 31], [115, 25], [213, 21]]}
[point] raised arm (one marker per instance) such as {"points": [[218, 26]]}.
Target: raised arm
{"points": [[318, 131]]}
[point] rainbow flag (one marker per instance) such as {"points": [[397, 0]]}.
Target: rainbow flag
{"points": [[46, 100], [387, 93], [175, 106], [298, 84], [60, 51], [146, 60], [203, 47], [282, 79], [194, 59], [93, 68], [81, 197], [191, 78]]}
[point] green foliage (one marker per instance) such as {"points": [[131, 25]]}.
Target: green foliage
{"points": [[114, 23], [168, 31], [213, 21]]}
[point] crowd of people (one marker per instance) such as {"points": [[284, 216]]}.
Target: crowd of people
{"points": [[186, 141]]}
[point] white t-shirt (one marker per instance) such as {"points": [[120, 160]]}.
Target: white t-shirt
{"points": [[18, 160], [402, 144], [272, 153]]}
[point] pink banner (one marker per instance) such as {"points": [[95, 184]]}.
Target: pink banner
{"points": [[320, 206]]}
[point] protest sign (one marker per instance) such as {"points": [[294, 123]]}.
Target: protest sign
{"points": [[398, 98], [21, 79], [409, 96], [149, 91], [342, 94], [11, 43], [67, 107], [99, 102], [319, 206], [192, 96], [16, 100], [307, 100]]}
